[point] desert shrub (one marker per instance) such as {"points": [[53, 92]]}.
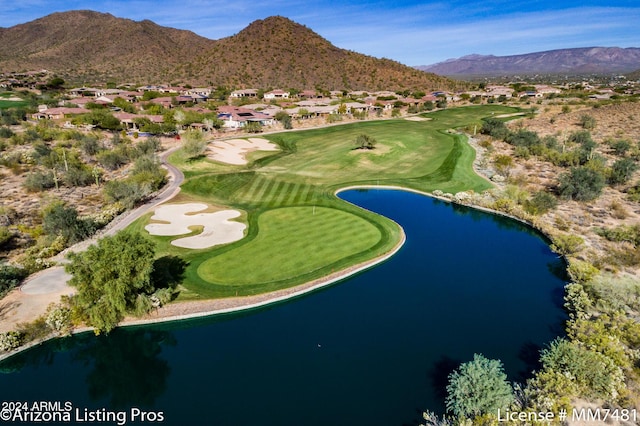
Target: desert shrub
{"points": [[587, 122], [633, 193], [503, 163], [148, 147], [36, 329], [10, 277], [194, 145], [618, 210], [526, 139], [78, 175], [495, 128], [606, 335], [62, 220], [39, 181], [5, 132], [112, 159], [10, 340], [90, 145], [580, 271], [478, 387], [622, 233], [58, 319], [567, 244], [581, 184], [5, 236], [147, 176], [577, 301], [570, 370], [614, 293], [621, 147], [622, 170], [540, 203]]}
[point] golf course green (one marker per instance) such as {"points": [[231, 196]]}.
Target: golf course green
{"points": [[298, 230]]}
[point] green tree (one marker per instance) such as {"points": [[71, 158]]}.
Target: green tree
{"points": [[478, 387], [193, 144], [253, 127], [109, 276], [284, 118], [581, 184], [364, 141]]}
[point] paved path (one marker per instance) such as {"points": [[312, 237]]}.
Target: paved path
{"points": [[41, 289]]}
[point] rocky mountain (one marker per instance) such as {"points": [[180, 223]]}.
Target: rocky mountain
{"points": [[591, 60], [90, 47]]}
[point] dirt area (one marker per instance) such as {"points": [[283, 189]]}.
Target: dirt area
{"points": [[612, 208]]}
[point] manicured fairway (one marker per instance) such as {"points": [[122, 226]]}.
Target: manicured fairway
{"points": [[286, 243]]}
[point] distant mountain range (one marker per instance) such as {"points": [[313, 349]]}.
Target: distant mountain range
{"points": [[590, 60], [90, 47]]}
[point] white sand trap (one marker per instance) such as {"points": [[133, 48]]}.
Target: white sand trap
{"points": [[218, 229], [234, 151], [418, 118]]}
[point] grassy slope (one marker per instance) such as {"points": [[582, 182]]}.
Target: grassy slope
{"points": [[416, 154]]}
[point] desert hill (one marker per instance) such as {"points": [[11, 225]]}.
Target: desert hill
{"points": [[596, 60], [96, 45], [87, 46]]}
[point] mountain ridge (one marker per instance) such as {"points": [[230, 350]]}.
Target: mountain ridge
{"points": [[90, 47], [568, 61]]}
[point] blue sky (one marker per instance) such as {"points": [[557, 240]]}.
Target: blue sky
{"points": [[414, 33]]}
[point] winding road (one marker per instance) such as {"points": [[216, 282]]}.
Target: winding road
{"points": [[45, 287]]}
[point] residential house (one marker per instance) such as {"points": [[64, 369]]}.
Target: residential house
{"points": [[276, 94], [128, 119], [244, 93], [238, 117], [310, 94], [547, 90], [58, 113]]}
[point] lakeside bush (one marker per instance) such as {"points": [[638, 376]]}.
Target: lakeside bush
{"points": [[10, 340], [478, 388]]}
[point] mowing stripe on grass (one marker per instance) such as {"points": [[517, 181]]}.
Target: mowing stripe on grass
{"points": [[270, 196], [248, 190], [285, 193], [264, 184]]}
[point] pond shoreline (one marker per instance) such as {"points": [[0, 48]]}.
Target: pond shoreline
{"points": [[187, 310]]}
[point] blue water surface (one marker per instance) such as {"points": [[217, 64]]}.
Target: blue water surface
{"points": [[375, 349]]}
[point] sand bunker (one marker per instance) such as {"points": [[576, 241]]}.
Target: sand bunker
{"points": [[418, 118], [234, 151], [218, 229]]}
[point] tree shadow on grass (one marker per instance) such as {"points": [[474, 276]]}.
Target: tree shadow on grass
{"points": [[168, 271]]}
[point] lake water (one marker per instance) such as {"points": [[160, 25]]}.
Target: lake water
{"points": [[375, 349]]}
